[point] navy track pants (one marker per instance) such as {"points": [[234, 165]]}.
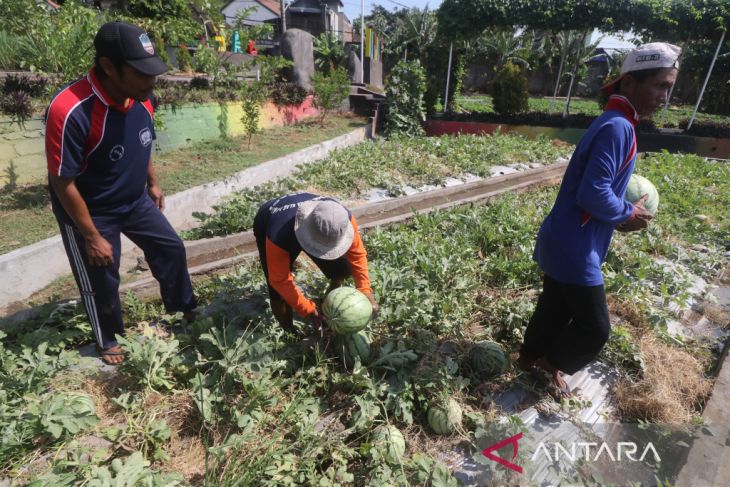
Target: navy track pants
{"points": [[146, 226], [569, 327]]}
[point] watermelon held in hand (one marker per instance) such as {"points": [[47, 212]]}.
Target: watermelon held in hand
{"points": [[487, 359], [389, 441], [347, 310], [445, 418], [353, 347], [638, 187]]}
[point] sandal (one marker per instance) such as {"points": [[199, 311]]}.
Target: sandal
{"points": [[108, 352]]}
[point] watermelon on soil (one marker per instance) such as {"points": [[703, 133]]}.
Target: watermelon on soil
{"points": [[444, 418], [347, 310], [487, 359], [354, 346], [638, 187], [389, 441]]}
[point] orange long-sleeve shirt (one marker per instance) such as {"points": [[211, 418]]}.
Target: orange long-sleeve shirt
{"points": [[281, 279]]}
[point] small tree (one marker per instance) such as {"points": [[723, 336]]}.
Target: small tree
{"points": [[330, 90], [253, 96], [404, 90], [509, 90], [329, 52]]}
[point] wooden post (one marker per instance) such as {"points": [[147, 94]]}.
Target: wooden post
{"points": [[283, 16]]}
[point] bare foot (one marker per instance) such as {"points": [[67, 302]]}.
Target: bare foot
{"points": [[113, 355], [556, 377]]}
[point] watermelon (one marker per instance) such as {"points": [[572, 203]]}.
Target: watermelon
{"points": [[487, 359], [347, 310], [354, 346], [638, 187], [444, 418], [389, 441]]}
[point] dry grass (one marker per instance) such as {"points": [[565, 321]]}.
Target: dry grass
{"points": [[185, 449], [187, 458], [102, 387], [629, 312], [671, 389], [716, 314]]}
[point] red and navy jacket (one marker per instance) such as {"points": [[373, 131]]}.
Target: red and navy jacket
{"points": [[575, 236], [282, 247], [103, 145]]}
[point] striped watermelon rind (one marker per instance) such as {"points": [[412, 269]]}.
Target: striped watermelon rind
{"points": [[355, 346], [347, 310], [487, 359], [639, 186], [445, 418], [389, 441]]}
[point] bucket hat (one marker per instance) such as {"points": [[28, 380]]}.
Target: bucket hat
{"points": [[323, 229]]}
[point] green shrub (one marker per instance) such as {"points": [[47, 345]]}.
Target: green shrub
{"points": [[330, 90], [285, 94], [509, 90], [63, 43], [11, 49], [405, 89], [206, 61], [184, 59]]}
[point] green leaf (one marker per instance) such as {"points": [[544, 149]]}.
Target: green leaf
{"points": [[67, 413]]}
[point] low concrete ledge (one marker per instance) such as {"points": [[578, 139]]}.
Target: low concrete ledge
{"points": [[29, 269]]}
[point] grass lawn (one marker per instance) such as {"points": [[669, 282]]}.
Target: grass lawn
{"points": [[26, 217], [672, 118]]}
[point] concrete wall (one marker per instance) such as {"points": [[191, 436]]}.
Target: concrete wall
{"points": [[29, 269], [373, 72], [25, 147]]}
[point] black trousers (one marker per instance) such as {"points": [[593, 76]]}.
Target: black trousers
{"points": [[146, 226], [569, 327], [332, 269]]}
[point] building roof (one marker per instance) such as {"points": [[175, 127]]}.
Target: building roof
{"points": [[271, 5]]}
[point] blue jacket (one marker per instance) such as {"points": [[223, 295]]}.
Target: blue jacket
{"points": [[574, 238]]}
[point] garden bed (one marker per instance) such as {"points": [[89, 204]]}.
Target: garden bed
{"points": [[231, 400], [384, 169], [655, 140], [480, 109]]}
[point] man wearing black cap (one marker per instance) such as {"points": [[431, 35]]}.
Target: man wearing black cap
{"points": [[99, 132]]}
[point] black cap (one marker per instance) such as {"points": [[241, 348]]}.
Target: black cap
{"points": [[128, 43]]}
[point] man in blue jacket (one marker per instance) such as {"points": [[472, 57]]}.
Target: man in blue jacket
{"points": [[571, 324]]}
